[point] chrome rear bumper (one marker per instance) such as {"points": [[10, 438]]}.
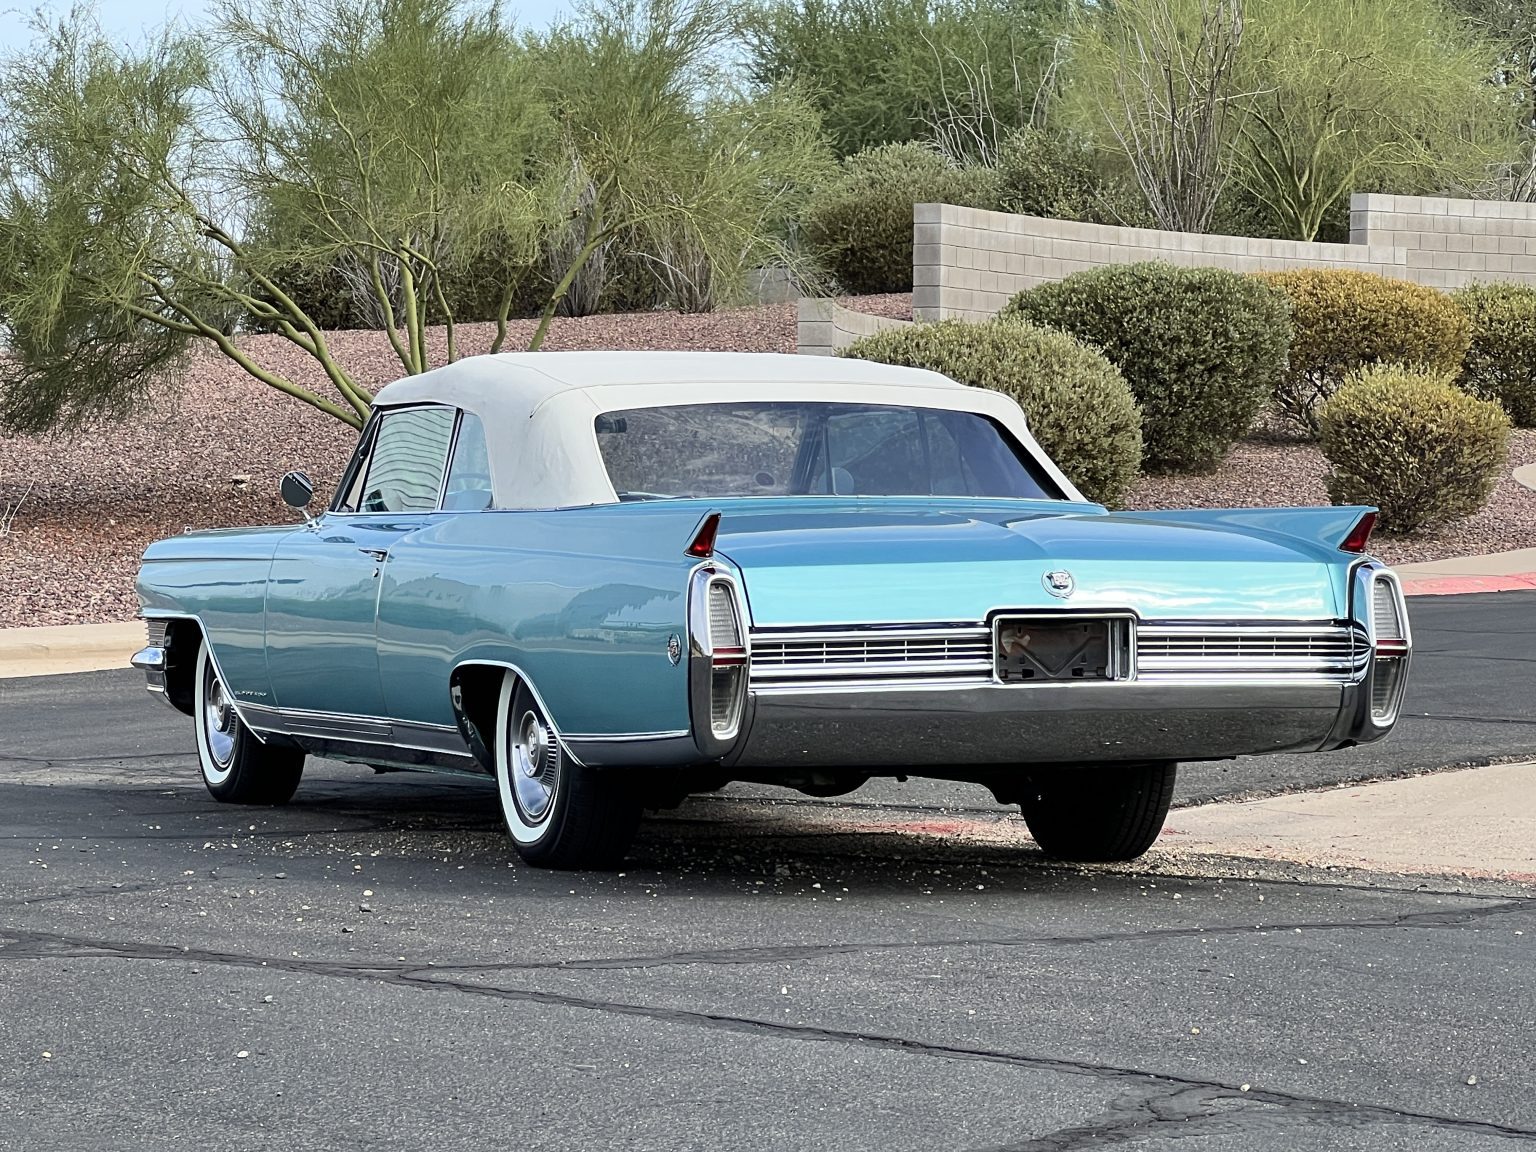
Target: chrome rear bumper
{"points": [[939, 725]]}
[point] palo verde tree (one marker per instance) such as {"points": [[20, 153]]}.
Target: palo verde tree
{"points": [[376, 127], [390, 141], [151, 200], [1349, 95]]}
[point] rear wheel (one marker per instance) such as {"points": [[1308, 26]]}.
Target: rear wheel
{"points": [[237, 767], [1090, 812], [559, 813]]}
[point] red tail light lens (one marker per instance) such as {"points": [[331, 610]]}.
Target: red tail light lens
{"points": [[703, 545], [1360, 535]]}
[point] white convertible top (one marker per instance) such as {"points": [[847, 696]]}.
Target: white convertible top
{"points": [[538, 408]]}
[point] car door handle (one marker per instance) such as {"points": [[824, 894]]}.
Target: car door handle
{"points": [[379, 554]]}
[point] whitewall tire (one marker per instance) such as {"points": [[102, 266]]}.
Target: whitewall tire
{"points": [[237, 767], [560, 814]]}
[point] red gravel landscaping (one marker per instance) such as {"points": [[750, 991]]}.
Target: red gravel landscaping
{"points": [[211, 450]]}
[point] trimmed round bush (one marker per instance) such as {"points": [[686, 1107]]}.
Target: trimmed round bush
{"points": [[860, 225], [1078, 406], [1501, 361], [1201, 348], [1413, 444], [1345, 320]]}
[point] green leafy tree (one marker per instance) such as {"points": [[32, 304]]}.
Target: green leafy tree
{"points": [[1344, 95], [891, 71]]}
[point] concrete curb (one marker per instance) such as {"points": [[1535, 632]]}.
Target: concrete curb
{"points": [[68, 648], [1496, 572]]}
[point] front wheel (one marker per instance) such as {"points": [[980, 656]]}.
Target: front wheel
{"points": [[237, 767], [560, 814], [1098, 812]]}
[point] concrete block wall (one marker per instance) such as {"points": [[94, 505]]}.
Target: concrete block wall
{"points": [[967, 262], [1449, 242], [825, 326]]}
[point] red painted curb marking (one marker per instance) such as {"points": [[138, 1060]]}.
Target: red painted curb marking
{"points": [[1460, 585]]}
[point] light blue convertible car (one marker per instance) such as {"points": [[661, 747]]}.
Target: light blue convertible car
{"points": [[611, 580]]}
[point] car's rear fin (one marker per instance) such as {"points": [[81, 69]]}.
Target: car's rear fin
{"points": [[1339, 529]]}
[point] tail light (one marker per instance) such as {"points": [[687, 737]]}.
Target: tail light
{"points": [[702, 546], [1360, 535], [1392, 644], [718, 655]]}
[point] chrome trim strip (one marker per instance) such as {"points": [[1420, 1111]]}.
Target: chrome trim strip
{"points": [[873, 631], [623, 737], [1166, 651], [326, 725], [376, 730]]}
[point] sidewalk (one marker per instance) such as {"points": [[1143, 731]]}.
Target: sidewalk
{"points": [[1475, 822], [68, 648]]}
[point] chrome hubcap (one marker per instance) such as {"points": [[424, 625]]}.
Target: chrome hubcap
{"points": [[218, 720], [535, 767]]}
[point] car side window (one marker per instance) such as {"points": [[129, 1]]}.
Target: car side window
{"points": [[405, 468], [469, 475]]}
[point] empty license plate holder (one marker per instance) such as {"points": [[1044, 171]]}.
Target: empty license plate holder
{"points": [[1054, 649]]}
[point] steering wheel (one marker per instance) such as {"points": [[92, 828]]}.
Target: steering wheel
{"points": [[483, 478]]}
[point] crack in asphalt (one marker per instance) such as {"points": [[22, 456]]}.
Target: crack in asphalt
{"points": [[84, 891], [1428, 920], [1176, 1099], [77, 761], [1181, 1112], [1473, 719]]}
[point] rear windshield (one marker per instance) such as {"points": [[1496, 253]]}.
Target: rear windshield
{"points": [[813, 449]]}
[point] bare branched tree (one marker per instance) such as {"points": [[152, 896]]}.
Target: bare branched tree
{"points": [[1162, 76]]}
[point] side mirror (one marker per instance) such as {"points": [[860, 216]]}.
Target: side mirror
{"points": [[297, 492]]}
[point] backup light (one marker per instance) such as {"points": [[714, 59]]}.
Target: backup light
{"points": [[720, 654], [1389, 635]]}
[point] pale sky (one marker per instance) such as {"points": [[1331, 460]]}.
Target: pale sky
{"points": [[127, 20]]}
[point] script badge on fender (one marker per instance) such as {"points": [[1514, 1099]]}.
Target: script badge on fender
{"points": [[1059, 583]]}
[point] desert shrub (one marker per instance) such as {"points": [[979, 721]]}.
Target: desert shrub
{"points": [[1201, 348], [1062, 175], [1078, 406], [1501, 361], [1345, 320], [1412, 444], [860, 225]]}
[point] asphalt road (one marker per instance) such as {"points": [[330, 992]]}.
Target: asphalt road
{"points": [[369, 968]]}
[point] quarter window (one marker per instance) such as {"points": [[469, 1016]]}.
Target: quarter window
{"points": [[405, 470], [469, 476]]}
